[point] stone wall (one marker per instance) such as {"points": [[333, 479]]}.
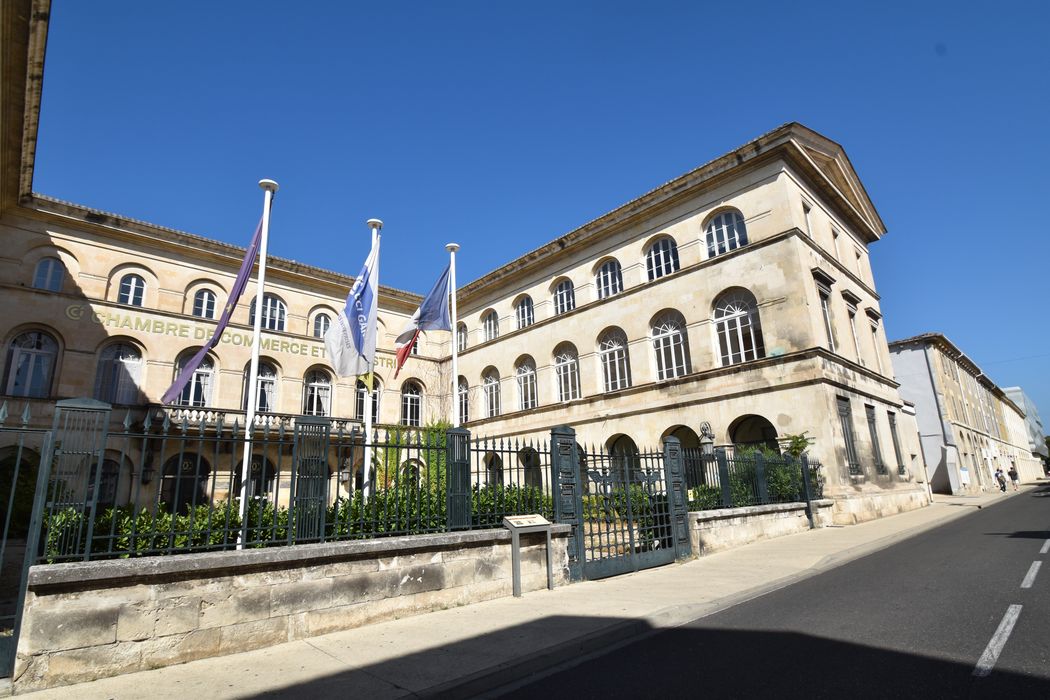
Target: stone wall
{"points": [[716, 530], [95, 619], [861, 507]]}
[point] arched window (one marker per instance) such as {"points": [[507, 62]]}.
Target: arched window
{"points": [[30, 365], [524, 312], [322, 322], [317, 393], [132, 290], [119, 374], [463, 395], [411, 404], [491, 323], [609, 279], [738, 328], [612, 352], [49, 275], [197, 391], [461, 336], [564, 298], [273, 313], [526, 376], [662, 258], [567, 372], [359, 405], [670, 345], [204, 304], [265, 388], [490, 383], [725, 232]]}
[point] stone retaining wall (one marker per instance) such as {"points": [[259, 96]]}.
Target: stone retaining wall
{"points": [[95, 619], [716, 530], [861, 507]]}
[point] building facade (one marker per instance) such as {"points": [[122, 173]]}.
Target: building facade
{"points": [[1033, 422], [738, 296], [968, 426]]}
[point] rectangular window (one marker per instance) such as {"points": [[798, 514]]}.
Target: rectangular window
{"points": [[825, 311], [876, 450], [846, 422], [896, 442], [875, 345], [835, 243], [806, 214]]}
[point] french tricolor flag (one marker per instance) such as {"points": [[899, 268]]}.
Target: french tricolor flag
{"points": [[432, 315]]}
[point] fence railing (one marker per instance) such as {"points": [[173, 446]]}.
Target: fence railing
{"points": [[725, 479], [166, 487]]}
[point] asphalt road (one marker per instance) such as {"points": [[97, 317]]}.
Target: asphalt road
{"points": [[912, 620]]}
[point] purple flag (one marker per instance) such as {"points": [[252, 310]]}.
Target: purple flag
{"points": [[235, 294]]}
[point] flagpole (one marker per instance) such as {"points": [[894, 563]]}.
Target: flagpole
{"points": [[269, 187], [366, 482], [456, 418]]}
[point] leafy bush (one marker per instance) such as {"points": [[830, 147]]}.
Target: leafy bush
{"points": [[705, 498]]}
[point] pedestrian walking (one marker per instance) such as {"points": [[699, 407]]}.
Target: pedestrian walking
{"points": [[1000, 478], [1015, 478]]}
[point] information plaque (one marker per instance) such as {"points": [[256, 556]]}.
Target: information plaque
{"points": [[523, 524]]}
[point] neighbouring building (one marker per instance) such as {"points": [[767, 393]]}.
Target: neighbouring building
{"points": [[1033, 423], [739, 295], [968, 426]]}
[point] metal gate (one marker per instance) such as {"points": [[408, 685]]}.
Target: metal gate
{"points": [[628, 508], [40, 470], [309, 479]]}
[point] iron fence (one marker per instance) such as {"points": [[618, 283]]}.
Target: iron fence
{"points": [[154, 485], [734, 479]]}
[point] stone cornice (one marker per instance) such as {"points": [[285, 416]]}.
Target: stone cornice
{"points": [[139, 233], [779, 142], [952, 350]]}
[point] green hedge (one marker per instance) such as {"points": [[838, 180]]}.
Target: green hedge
{"points": [[408, 509]]}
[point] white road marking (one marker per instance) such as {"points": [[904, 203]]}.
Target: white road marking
{"points": [[1029, 578], [1046, 547], [995, 647]]}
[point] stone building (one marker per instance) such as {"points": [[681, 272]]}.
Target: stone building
{"points": [[1033, 423], [968, 426], [739, 295]]}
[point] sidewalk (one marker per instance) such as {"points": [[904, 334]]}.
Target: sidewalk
{"points": [[464, 651]]}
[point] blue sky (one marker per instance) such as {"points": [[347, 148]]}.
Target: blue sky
{"points": [[502, 126]]}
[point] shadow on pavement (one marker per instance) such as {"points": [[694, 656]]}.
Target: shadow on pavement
{"points": [[1026, 534], [687, 661]]}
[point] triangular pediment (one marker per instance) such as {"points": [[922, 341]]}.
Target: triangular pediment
{"points": [[832, 162]]}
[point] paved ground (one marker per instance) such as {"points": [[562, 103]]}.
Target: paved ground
{"points": [[484, 647], [910, 621]]}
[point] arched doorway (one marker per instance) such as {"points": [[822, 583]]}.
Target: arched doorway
{"points": [[260, 478], [753, 431], [529, 461], [493, 469], [185, 482], [624, 461]]}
